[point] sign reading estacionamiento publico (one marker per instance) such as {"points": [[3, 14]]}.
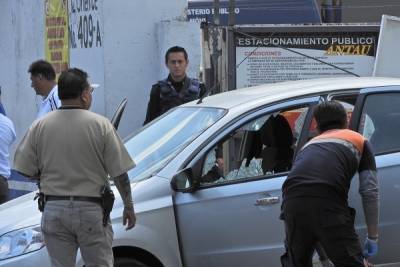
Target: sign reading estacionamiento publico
{"points": [[274, 57]]}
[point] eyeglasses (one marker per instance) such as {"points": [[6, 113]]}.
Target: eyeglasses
{"points": [[92, 87]]}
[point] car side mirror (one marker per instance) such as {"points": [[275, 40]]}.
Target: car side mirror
{"points": [[183, 181]]}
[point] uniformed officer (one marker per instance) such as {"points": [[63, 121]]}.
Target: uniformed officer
{"points": [[73, 151], [315, 207], [43, 78], [176, 89]]}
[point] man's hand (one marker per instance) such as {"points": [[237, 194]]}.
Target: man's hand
{"points": [[370, 247], [128, 218], [124, 187], [220, 163]]}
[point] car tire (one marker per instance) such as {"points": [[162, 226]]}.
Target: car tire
{"points": [[128, 262]]}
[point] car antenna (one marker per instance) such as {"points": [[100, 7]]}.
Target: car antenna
{"points": [[203, 93], [293, 51]]}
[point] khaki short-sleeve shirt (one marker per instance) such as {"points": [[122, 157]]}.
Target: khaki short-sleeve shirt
{"points": [[73, 151]]}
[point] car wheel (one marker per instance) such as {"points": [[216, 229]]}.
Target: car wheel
{"points": [[128, 262]]}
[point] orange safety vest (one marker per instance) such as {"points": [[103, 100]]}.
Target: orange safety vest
{"points": [[345, 134]]}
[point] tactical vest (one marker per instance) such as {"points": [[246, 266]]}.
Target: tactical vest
{"points": [[170, 98]]}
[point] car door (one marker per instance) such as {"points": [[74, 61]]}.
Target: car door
{"points": [[377, 117], [118, 113], [234, 220]]}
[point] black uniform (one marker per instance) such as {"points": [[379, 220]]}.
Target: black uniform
{"points": [[315, 207], [167, 94]]}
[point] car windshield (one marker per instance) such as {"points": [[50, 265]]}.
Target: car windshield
{"points": [[153, 146]]}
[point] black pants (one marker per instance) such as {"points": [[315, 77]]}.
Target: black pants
{"points": [[312, 220], [3, 190]]}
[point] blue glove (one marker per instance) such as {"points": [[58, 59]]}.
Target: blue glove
{"points": [[370, 247]]}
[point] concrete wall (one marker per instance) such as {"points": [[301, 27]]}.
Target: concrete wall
{"points": [[135, 35], [21, 42], [186, 34], [133, 51]]}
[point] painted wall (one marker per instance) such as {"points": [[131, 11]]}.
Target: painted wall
{"points": [[129, 59], [120, 43], [133, 51], [21, 42]]}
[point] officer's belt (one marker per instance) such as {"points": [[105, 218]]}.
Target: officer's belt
{"points": [[74, 198]]}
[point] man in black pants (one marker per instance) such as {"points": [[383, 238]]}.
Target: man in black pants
{"points": [[315, 207]]}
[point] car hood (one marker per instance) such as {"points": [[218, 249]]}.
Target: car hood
{"points": [[19, 213], [23, 211]]}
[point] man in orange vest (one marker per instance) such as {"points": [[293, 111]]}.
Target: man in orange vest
{"points": [[315, 208]]}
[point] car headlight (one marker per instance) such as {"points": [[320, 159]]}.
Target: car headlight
{"points": [[21, 241]]}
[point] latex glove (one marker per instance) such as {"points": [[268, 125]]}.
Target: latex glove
{"points": [[370, 247]]}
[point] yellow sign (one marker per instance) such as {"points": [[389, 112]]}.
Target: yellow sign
{"points": [[356, 50], [56, 34]]}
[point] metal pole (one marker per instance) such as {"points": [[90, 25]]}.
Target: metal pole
{"points": [[216, 12], [214, 59], [231, 18]]}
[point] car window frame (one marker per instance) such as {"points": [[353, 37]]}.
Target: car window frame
{"points": [[132, 135], [359, 106], [335, 95], [196, 160]]}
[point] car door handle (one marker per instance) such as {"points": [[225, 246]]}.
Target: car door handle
{"points": [[266, 201]]}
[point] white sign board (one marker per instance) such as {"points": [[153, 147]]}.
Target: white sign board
{"points": [[282, 57], [388, 56]]}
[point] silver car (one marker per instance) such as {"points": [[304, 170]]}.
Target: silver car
{"points": [[206, 187]]}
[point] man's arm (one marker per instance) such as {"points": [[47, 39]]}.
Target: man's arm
{"points": [[26, 160], [217, 171], [153, 108], [370, 200], [369, 190], [124, 188]]}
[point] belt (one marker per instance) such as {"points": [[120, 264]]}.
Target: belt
{"points": [[74, 198]]}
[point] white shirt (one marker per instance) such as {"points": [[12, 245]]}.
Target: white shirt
{"points": [[49, 103], [7, 137]]}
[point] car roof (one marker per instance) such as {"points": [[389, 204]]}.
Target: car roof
{"points": [[269, 93]]}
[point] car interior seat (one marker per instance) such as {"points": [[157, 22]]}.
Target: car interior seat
{"points": [[277, 139]]}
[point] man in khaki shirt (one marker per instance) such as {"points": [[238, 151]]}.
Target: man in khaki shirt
{"points": [[73, 151]]}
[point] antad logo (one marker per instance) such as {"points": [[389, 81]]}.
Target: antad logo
{"points": [[357, 50]]}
